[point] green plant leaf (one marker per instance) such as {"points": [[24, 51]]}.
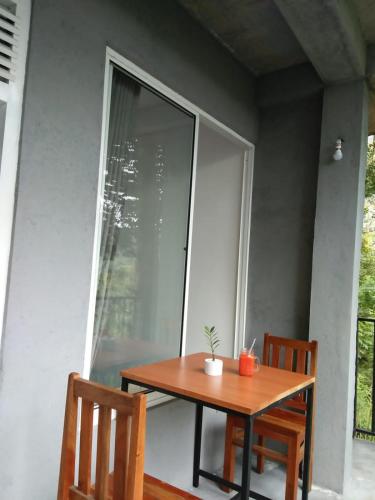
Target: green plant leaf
{"points": [[213, 339]]}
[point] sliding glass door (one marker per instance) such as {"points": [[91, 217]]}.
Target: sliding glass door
{"points": [[144, 228]]}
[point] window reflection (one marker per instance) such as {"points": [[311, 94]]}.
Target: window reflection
{"points": [[145, 207]]}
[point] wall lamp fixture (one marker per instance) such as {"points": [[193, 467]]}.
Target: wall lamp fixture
{"points": [[337, 155]]}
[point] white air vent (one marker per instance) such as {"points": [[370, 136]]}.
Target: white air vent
{"points": [[8, 44]]}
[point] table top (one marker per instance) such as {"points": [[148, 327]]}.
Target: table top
{"points": [[248, 395]]}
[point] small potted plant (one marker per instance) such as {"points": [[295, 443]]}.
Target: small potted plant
{"points": [[212, 366]]}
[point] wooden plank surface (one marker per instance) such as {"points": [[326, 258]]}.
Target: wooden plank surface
{"points": [[121, 456], [104, 395], [85, 446], [102, 453], [154, 489], [135, 474], [68, 449], [248, 395]]}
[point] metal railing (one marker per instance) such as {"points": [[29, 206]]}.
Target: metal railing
{"points": [[364, 404]]}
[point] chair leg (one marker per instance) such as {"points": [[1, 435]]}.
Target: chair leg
{"points": [[292, 469], [260, 458], [229, 454]]}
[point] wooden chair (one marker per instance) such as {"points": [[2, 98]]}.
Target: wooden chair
{"points": [[127, 482], [286, 424]]}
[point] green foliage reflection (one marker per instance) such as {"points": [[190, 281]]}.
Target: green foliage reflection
{"points": [[366, 302]]}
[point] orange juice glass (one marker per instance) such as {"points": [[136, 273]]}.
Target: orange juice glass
{"points": [[248, 364]]}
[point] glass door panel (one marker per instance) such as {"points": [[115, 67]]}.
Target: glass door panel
{"points": [[145, 208]]}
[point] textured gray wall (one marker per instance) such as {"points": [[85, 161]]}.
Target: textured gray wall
{"points": [[282, 224], [3, 109], [45, 328]]}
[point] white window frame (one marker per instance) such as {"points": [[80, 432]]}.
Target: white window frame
{"points": [[11, 94], [113, 57]]}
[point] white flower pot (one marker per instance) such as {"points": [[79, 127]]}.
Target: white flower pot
{"points": [[213, 368]]}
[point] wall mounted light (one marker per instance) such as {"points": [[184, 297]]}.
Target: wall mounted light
{"points": [[337, 155]]}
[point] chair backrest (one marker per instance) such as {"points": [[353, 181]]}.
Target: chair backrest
{"points": [[129, 442], [293, 355]]}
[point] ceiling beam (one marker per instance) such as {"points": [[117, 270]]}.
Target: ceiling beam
{"points": [[330, 34], [287, 85]]}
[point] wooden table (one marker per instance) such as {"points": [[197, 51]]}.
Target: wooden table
{"points": [[247, 397]]}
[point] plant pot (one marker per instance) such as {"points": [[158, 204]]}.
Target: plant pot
{"points": [[213, 368]]}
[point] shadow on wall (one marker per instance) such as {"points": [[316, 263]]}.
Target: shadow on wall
{"points": [[283, 215]]}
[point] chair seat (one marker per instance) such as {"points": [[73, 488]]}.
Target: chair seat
{"points": [[278, 421], [291, 416], [274, 423], [155, 489]]}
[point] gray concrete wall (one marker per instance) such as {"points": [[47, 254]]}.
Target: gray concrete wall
{"points": [[335, 273], [3, 110], [45, 329], [282, 224]]}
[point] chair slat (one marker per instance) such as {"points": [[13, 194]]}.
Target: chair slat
{"points": [[301, 345], [313, 358], [266, 349], [301, 361], [102, 455], [275, 355], [104, 396], [68, 448], [288, 359], [136, 451], [85, 446], [121, 457]]}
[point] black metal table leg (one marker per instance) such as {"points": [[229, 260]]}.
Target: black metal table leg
{"points": [[197, 443], [246, 460], [124, 385], [306, 459]]}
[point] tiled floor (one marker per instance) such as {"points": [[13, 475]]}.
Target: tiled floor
{"points": [[271, 483], [363, 477]]}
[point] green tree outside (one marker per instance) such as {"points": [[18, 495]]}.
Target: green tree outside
{"points": [[366, 300]]}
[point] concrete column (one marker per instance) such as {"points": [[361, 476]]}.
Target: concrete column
{"points": [[335, 272]]}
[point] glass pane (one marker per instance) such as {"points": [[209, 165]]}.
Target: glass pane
{"points": [[140, 290]]}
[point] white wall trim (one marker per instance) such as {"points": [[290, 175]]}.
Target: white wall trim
{"points": [[190, 236], [132, 68], [12, 95], [98, 218], [113, 57]]}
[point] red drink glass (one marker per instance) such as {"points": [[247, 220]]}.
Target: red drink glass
{"points": [[248, 364]]}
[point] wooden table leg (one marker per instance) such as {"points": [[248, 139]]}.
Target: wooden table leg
{"points": [[246, 460], [197, 443]]}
